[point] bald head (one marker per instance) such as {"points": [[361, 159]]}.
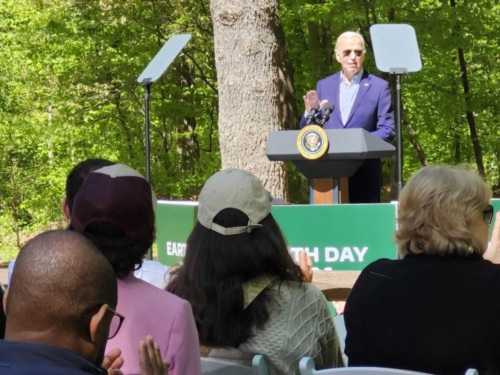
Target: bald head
{"points": [[59, 276]]}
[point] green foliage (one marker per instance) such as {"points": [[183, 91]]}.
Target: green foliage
{"points": [[434, 101], [68, 91]]}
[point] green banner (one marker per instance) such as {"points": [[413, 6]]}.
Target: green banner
{"points": [[174, 222], [337, 237]]}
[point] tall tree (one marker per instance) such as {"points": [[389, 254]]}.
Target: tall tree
{"points": [[255, 90]]}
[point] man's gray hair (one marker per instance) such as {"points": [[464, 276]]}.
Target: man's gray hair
{"points": [[350, 34]]}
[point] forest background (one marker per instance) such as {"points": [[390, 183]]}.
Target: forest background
{"points": [[69, 91]]}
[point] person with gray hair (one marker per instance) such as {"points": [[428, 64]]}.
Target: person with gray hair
{"points": [[361, 101], [436, 309]]}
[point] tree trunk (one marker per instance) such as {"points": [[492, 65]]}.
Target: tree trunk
{"points": [[470, 115], [468, 101], [422, 157], [254, 83], [320, 44]]}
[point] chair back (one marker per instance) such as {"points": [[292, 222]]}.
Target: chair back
{"points": [[216, 366], [341, 333], [307, 367]]}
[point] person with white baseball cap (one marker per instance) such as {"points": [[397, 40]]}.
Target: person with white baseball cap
{"points": [[248, 295]]}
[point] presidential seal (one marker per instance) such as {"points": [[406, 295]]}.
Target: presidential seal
{"points": [[312, 142]]}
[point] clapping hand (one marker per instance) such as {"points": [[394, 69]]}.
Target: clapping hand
{"points": [[150, 360]]}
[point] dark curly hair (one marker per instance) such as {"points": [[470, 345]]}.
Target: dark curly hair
{"points": [[77, 175], [213, 272], [123, 258]]}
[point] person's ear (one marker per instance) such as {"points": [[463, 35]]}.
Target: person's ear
{"points": [[4, 301], [96, 322], [65, 208], [337, 56]]}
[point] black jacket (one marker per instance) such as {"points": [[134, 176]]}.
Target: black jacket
{"points": [[428, 313]]}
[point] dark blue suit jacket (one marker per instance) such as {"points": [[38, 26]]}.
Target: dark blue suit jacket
{"points": [[372, 111], [24, 358]]}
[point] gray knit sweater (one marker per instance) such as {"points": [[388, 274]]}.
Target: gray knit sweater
{"points": [[300, 324]]}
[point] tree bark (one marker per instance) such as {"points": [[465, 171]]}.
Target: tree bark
{"points": [[320, 45], [468, 101], [478, 154], [254, 83], [422, 157]]}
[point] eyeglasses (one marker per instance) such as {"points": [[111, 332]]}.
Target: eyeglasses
{"points": [[116, 320], [488, 214], [116, 323], [348, 52]]}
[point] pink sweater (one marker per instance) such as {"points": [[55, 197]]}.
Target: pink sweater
{"points": [[149, 310]]}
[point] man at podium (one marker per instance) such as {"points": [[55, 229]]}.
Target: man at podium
{"points": [[361, 100]]}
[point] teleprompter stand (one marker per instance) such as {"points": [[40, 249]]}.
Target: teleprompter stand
{"points": [[151, 74], [396, 52]]}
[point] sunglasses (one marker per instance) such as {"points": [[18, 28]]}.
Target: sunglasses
{"points": [[488, 214], [348, 52]]}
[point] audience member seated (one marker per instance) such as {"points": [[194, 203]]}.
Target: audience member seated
{"points": [[60, 310], [151, 271], [114, 208], [247, 294], [73, 182], [42, 307], [75, 179], [437, 309]]}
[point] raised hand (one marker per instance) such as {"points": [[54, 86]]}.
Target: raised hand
{"points": [[311, 99], [150, 360], [305, 264], [493, 252]]}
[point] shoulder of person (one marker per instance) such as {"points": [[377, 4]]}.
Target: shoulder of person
{"points": [[380, 264], [142, 290], [486, 263], [296, 290], [329, 78], [374, 79]]}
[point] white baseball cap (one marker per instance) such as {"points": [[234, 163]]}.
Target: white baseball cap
{"points": [[233, 188]]}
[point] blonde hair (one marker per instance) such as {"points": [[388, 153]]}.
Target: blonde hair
{"points": [[437, 207]]}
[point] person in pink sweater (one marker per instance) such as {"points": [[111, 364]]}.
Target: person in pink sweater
{"points": [[114, 208]]}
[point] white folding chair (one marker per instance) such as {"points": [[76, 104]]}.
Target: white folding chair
{"points": [[341, 332], [216, 366], [307, 367]]}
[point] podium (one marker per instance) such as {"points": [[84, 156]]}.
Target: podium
{"points": [[347, 150]]}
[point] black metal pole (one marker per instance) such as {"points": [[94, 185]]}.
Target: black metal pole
{"points": [[399, 145], [147, 93]]}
